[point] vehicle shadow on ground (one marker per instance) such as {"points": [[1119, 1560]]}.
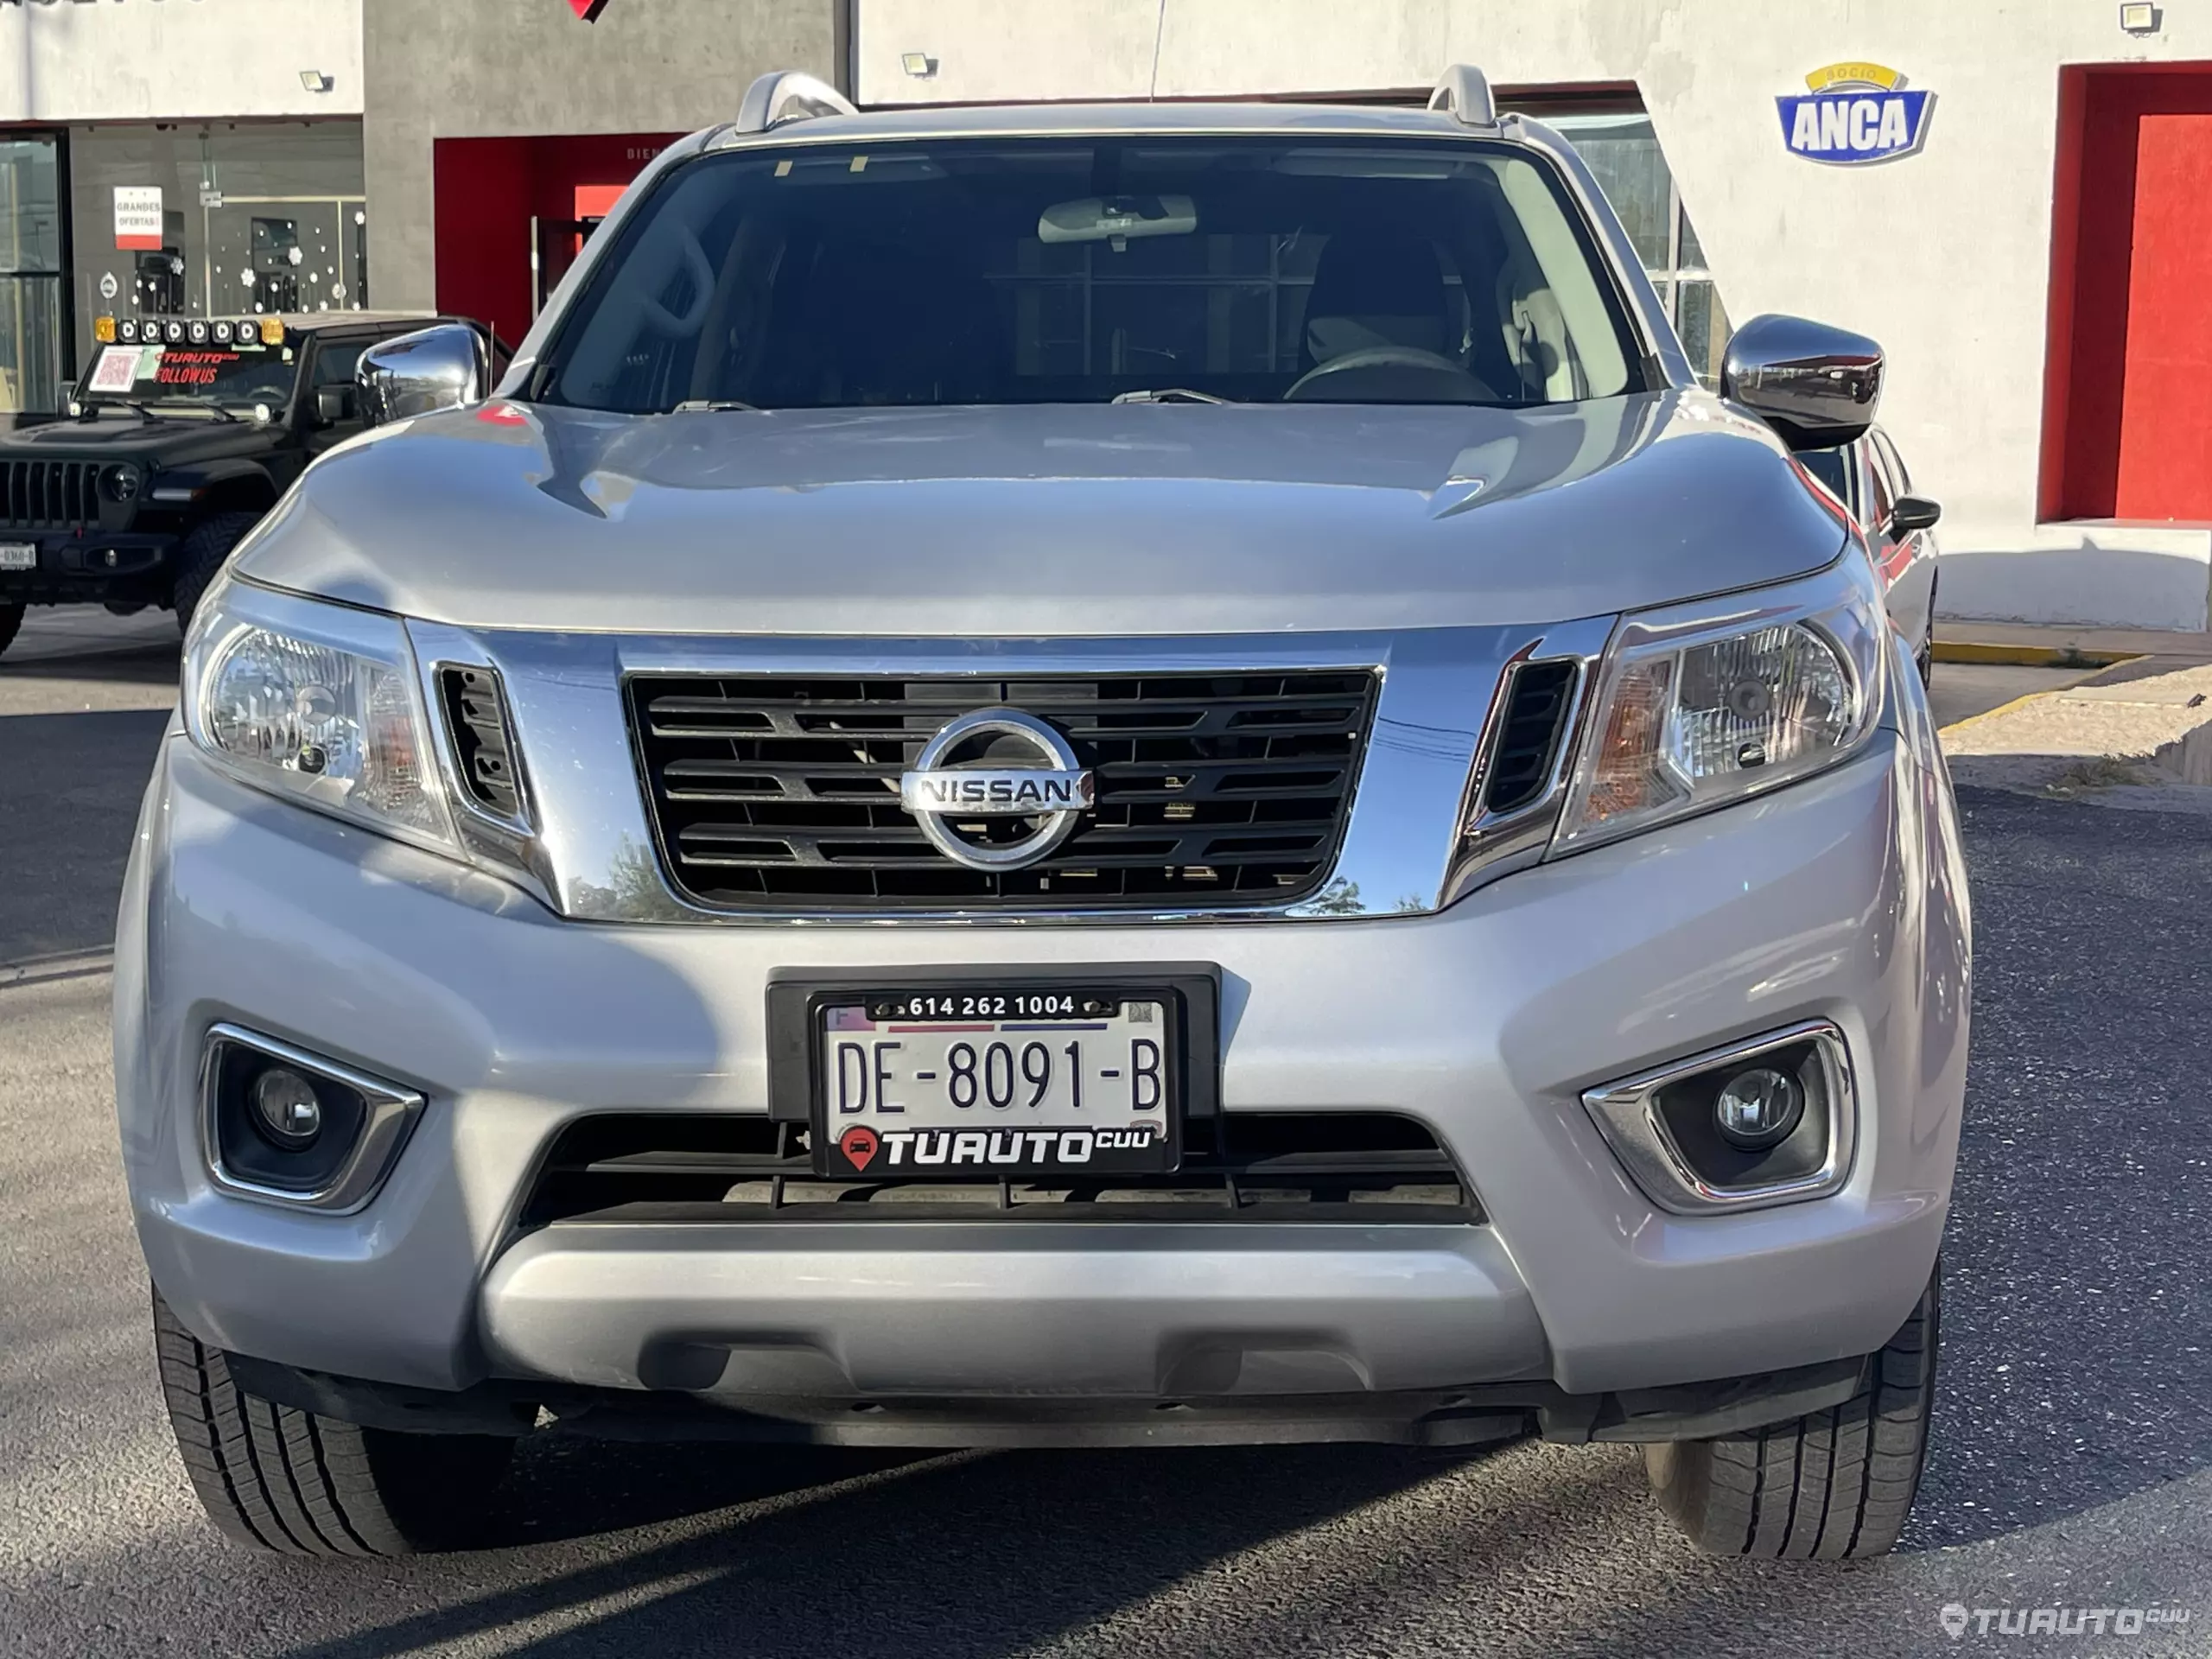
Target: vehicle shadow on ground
{"points": [[863, 1554], [69, 791], [155, 664]]}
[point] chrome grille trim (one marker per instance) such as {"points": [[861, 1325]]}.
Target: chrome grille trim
{"points": [[774, 790], [1403, 853]]}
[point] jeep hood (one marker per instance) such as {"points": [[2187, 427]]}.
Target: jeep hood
{"points": [[1047, 520], [179, 441]]}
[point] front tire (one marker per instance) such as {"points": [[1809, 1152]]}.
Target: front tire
{"points": [[200, 559], [1836, 1485], [11, 617], [296, 1483]]}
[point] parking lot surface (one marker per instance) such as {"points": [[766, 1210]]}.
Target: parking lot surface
{"points": [[2072, 1462]]}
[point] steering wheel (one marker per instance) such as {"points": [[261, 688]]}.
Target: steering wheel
{"points": [[1385, 357], [662, 320]]}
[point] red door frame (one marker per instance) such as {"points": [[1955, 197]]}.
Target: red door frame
{"points": [[2100, 108]]}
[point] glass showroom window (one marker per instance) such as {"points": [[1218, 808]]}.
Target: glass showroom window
{"points": [[1623, 151], [218, 220], [31, 366]]}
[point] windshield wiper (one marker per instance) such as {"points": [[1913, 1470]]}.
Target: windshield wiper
{"points": [[217, 409], [712, 405], [1169, 395], [93, 411]]}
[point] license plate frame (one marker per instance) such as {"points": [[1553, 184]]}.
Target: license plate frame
{"points": [[18, 556], [1189, 993]]}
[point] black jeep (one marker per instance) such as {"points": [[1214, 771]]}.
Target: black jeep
{"points": [[182, 433]]}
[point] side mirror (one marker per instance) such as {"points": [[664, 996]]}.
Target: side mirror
{"points": [[1816, 386], [1912, 512], [445, 366], [333, 404]]}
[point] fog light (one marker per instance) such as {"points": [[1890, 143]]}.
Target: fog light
{"points": [[286, 1110], [287, 1126], [1757, 1107]]}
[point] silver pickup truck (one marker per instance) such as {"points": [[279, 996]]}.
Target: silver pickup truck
{"points": [[1060, 776]]}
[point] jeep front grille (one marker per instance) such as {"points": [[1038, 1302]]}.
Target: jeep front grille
{"points": [[1373, 1168], [49, 494], [774, 792]]}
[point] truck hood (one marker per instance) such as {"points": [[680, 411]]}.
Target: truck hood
{"points": [[1047, 520]]}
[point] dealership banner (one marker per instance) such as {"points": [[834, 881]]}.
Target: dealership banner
{"points": [[137, 215], [1855, 113]]}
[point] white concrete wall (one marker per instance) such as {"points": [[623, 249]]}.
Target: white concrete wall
{"points": [[70, 61], [1944, 256]]}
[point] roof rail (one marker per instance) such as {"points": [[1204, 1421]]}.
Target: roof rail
{"points": [[1463, 92], [786, 95]]}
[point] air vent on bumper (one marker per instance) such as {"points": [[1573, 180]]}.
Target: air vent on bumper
{"points": [[1372, 1168]]}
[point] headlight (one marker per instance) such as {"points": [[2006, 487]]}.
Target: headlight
{"points": [[120, 483], [1699, 705], [317, 703]]}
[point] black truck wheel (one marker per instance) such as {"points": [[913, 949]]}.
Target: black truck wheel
{"points": [[11, 617], [275, 1478], [204, 548], [1836, 1485]]}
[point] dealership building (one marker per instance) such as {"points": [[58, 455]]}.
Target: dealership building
{"points": [[2013, 196]]}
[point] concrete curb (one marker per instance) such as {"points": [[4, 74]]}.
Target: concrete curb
{"points": [[64, 964], [1969, 650]]}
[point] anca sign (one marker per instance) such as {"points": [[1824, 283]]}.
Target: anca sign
{"points": [[1855, 113]]}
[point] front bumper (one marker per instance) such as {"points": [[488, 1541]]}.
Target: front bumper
{"points": [[91, 567], [1841, 899]]}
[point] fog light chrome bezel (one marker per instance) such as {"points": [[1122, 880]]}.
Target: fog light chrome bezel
{"points": [[390, 1111], [1627, 1115]]}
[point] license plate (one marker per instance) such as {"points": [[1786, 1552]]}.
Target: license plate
{"points": [[973, 1082], [18, 555]]}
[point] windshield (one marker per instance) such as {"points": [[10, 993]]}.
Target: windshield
{"points": [[1051, 271], [216, 375]]}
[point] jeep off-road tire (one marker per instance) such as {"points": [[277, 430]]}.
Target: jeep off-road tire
{"points": [[204, 548], [11, 617], [276, 1478], [1836, 1485]]}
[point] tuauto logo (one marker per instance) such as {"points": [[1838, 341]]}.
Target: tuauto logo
{"points": [[1054, 1149], [588, 9], [858, 1144]]}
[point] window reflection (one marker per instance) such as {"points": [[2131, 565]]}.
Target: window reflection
{"points": [[1623, 153], [256, 218], [30, 275]]}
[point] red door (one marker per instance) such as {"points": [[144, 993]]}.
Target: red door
{"points": [[2165, 418], [2127, 388]]}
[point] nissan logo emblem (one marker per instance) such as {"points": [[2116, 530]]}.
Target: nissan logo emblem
{"points": [[972, 770]]}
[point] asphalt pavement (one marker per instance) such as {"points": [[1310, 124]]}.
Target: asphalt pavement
{"points": [[2072, 1461]]}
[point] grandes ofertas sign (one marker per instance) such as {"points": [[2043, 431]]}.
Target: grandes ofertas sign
{"points": [[137, 215], [1855, 113]]}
